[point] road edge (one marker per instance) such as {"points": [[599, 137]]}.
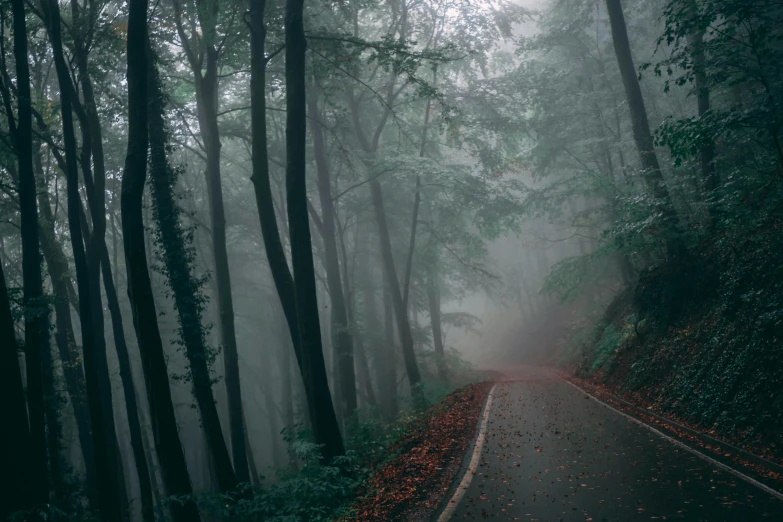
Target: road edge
{"points": [[775, 493], [472, 466]]}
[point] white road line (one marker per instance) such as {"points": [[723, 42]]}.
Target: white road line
{"points": [[474, 461], [738, 474]]}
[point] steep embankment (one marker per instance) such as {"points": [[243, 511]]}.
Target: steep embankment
{"points": [[702, 341]]}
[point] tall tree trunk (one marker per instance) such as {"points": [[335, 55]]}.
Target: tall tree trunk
{"points": [[362, 364], [308, 349], [641, 127], [326, 430], [433, 301], [96, 371], [207, 108], [400, 312], [178, 256], [95, 182], [209, 126], [65, 339], [342, 341], [129, 390], [389, 360], [36, 335], [17, 480], [145, 321], [696, 42], [417, 200], [251, 460]]}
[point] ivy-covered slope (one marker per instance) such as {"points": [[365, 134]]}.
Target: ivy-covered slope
{"points": [[702, 340]]}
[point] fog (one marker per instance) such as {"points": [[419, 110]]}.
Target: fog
{"points": [[242, 240]]}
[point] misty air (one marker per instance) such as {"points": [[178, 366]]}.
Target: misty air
{"points": [[393, 260]]}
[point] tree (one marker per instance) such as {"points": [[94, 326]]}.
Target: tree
{"points": [[166, 435], [36, 312], [16, 448], [641, 127], [310, 359], [205, 59], [325, 428], [96, 374], [343, 341]]}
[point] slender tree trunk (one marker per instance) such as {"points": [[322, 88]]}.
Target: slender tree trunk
{"points": [[389, 361], [641, 127], [17, 480], [342, 341], [251, 460], [433, 300], [205, 71], [164, 425], [400, 312], [363, 367], [308, 349], [99, 399], [95, 182], [326, 430], [65, 339], [696, 42], [417, 200], [209, 127], [178, 258], [36, 335], [129, 390]]}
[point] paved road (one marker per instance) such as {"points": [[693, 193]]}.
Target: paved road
{"points": [[552, 454]]}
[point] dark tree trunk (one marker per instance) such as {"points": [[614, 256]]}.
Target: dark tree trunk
{"points": [[641, 126], [17, 480], [209, 126], [94, 242], [164, 425], [433, 301], [388, 384], [342, 341], [400, 312], [207, 107], [65, 339], [696, 42], [326, 430], [129, 390], [178, 258], [251, 460], [362, 363], [36, 335], [95, 182], [298, 301], [99, 400]]}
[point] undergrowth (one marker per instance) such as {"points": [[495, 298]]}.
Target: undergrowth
{"points": [[310, 490]]}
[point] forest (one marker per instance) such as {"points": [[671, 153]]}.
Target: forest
{"points": [[249, 248]]}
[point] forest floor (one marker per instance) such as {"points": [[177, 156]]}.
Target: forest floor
{"points": [[421, 466]]}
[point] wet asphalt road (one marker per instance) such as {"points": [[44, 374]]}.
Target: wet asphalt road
{"points": [[552, 454]]}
